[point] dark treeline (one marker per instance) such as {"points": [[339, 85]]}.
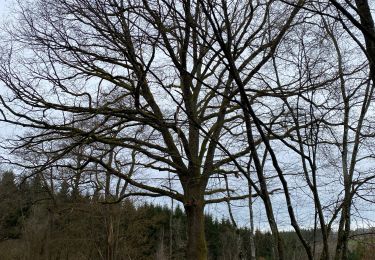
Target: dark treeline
{"points": [[37, 223]]}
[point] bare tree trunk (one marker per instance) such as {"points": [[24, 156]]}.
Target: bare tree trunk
{"points": [[109, 215], [368, 31], [110, 250], [196, 244], [366, 25], [160, 254], [231, 216], [277, 240], [170, 222], [342, 240], [251, 215]]}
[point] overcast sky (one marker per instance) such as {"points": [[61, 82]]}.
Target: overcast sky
{"points": [[239, 209], [4, 4]]}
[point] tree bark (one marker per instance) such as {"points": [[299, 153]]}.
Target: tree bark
{"points": [[196, 244], [251, 216]]}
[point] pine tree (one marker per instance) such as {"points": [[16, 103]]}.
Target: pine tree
{"points": [[10, 207]]}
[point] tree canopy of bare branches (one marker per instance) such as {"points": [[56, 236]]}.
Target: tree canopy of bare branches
{"points": [[196, 93]]}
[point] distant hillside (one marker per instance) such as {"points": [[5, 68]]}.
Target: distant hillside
{"points": [[34, 225]]}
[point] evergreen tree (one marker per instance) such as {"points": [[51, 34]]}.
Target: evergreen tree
{"points": [[64, 193], [11, 208]]}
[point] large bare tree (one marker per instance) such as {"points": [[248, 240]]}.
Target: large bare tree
{"points": [[113, 77], [180, 98]]}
